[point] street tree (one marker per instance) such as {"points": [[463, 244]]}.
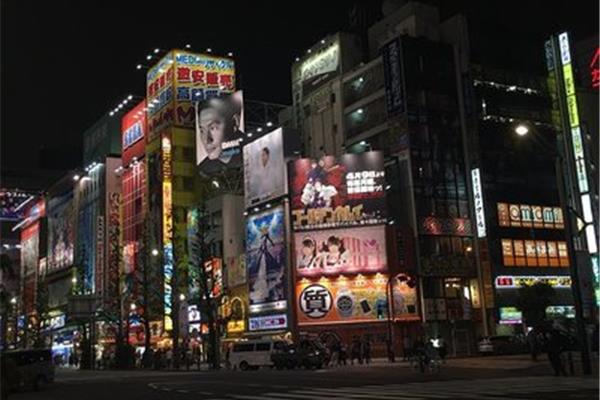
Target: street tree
{"points": [[532, 301]]}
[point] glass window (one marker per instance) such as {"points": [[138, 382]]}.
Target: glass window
{"points": [[243, 347], [263, 346]]}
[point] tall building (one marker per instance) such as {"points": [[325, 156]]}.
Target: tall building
{"points": [[522, 238], [177, 80], [417, 96], [58, 273]]}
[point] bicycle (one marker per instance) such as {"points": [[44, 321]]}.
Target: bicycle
{"points": [[424, 362]]}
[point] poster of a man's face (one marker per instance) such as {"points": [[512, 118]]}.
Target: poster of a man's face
{"points": [[219, 132], [264, 168]]}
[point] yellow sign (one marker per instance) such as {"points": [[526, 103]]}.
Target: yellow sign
{"points": [[167, 230], [236, 326]]}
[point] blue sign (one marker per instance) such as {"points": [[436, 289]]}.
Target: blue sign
{"points": [[134, 133]]}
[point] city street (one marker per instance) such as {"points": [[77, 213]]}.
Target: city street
{"points": [[497, 378]]}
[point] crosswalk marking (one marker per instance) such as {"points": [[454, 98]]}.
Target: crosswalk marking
{"points": [[373, 396], [480, 389]]}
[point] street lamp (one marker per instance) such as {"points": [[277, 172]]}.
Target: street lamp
{"points": [[132, 306], [569, 213], [154, 252], [521, 130], [13, 300]]}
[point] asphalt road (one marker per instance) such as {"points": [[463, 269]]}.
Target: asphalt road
{"points": [[477, 379]]}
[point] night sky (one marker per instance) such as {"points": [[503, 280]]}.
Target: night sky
{"points": [[65, 63]]}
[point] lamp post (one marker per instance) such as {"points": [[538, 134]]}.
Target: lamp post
{"points": [[390, 310], [570, 222]]}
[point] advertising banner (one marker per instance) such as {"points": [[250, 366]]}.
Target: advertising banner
{"points": [[133, 133], [236, 270], [61, 232], [342, 300], [515, 282], [405, 301], [30, 243], [268, 322], [167, 224], [219, 133], [340, 251], [179, 80], [87, 250], [530, 216], [266, 260], [534, 253], [332, 192], [11, 208], [445, 226], [319, 68], [264, 168]]}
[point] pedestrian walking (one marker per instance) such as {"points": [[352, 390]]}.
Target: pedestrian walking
{"points": [[406, 348], [555, 346], [534, 344], [442, 349], [366, 350], [343, 354], [355, 351]]}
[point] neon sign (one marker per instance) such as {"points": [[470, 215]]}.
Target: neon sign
{"points": [[515, 282], [595, 69], [167, 230], [576, 138]]}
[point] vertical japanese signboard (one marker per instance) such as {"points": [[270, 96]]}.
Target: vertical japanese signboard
{"points": [[392, 69], [167, 224], [478, 202], [560, 68]]}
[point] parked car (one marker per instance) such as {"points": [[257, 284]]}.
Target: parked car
{"points": [[254, 353], [502, 344], [306, 353], [26, 369]]}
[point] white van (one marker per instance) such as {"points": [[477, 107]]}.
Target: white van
{"points": [[254, 353]]}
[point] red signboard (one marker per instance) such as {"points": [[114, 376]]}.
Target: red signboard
{"points": [[595, 69], [133, 133]]}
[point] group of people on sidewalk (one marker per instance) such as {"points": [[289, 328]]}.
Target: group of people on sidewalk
{"points": [[555, 343], [360, 351]]}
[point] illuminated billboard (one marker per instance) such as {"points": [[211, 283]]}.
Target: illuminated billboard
{"points": [[404, 301], [219, 132], [133, 130], [181, 79], [342, 300], [340, 251], [530, 216], [320, 67], [167, 224], [61, 232], [515, 282], [12, 204], [264, 169], [478, 202], [267, 322], [534, 253], [30, 243], [510, 315], [332, 192], [266, 260]]}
